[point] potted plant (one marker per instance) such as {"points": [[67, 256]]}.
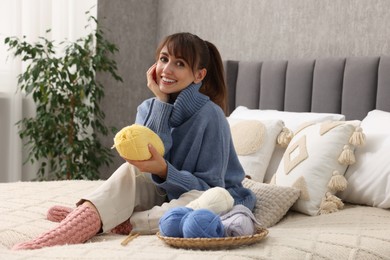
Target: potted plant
{"points": [[63, 137]]}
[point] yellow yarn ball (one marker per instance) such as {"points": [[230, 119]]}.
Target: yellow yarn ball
{"points": [[131, 142]]}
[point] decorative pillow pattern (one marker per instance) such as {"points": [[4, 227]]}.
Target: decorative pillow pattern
{"points": [[369, 178], [272, 202], [291, 120], [254, 142], [315, 162]]}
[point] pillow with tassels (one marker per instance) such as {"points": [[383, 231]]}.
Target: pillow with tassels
{"points": [[315, 162], [255, 141]]}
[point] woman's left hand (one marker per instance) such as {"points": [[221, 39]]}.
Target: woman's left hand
{"points": [[153, 86], [155, 165]]}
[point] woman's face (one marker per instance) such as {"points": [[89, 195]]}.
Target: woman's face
{"points": [[173, 74]]}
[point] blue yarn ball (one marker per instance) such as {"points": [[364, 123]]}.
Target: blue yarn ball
{"points": [[169, 223], [202, 223]]}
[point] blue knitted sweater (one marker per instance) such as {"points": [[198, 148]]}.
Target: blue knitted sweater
{"points": [[198, 146]]}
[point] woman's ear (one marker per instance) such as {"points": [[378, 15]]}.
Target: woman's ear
{"points": [[199, 75]]}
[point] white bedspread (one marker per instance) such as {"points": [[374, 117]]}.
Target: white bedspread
{"points": [[356, 232]]}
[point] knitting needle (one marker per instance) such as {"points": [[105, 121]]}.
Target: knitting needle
{"points": [[129, 238]]}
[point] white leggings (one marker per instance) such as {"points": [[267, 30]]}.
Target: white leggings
{"points": [[131, 193]]}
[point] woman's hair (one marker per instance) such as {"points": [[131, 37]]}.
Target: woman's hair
{"points": [[200, 54]]}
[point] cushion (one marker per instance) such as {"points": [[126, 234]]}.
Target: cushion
{"points": [[272, 201], [315, 162], [291, 120], [132, 141], [254, 142], [369, 178]]}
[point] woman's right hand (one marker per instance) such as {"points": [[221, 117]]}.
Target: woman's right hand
{"points": [[153, 86], [155, 165]]}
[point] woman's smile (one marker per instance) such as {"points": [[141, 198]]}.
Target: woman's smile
{"points": [[167, 80]]}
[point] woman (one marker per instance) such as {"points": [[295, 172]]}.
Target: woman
{"points": [[187, 113]]}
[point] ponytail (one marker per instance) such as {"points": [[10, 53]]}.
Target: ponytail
{"points": [[214, 84]]}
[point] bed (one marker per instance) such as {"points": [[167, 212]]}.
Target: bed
{"points": [[351, 91]]}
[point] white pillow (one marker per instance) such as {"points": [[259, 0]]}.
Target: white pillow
{"points": [[369, 178], [254, 141], [292, 120], [315, 162]]}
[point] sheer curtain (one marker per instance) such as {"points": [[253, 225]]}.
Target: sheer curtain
{"points": [[67, 20]]}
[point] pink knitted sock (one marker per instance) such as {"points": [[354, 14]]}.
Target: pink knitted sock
{"points": [[58, 213], [79, 226], [123, 229]]}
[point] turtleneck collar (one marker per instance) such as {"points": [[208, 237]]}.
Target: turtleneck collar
{"points": [[187, 103]]}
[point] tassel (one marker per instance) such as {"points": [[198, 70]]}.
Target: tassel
{"points": [[327, 207], [330, 204], [337, 201], [285, 137], [347, 156], [358, 137], [337, 182]]}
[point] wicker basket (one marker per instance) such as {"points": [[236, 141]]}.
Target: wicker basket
{"points": [[213, 243]]}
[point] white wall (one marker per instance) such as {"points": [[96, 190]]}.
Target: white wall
{"points": [[30, 18], [4, 131]]}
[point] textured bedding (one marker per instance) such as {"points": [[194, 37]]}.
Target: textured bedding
{"points": [[351, 86], [356, 232]]}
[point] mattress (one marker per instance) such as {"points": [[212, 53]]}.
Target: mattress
{"points": [[356, 232]]}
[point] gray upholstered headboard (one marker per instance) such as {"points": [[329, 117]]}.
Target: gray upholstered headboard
{"points": [[351, 86]]}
